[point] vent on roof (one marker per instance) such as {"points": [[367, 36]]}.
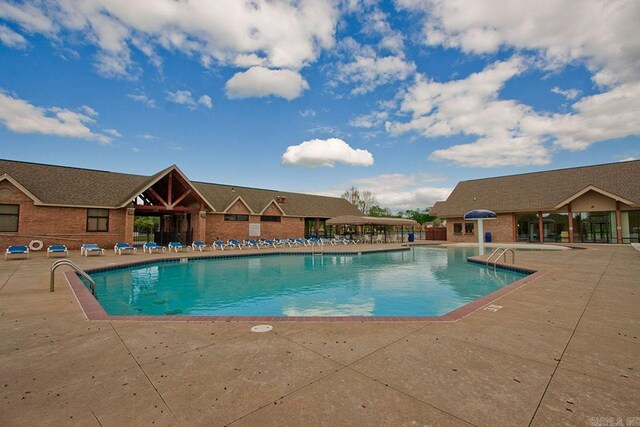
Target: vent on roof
{"points": [[281, 200]]}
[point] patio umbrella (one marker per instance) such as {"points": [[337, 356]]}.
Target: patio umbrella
{"points": [[480, 215]]}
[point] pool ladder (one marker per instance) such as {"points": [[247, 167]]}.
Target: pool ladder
{"points": [[319, 251], [501, 253], [60, 263]]}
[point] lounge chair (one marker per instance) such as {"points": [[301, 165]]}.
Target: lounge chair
{"points": [[57, 250], [251, 243], [91, 248], [267, 242], [219, 244], [17, 250], [303, 242], [636, 246], [124, 247], [152, 247], [235, 244], [178, 246], [201, 246]]}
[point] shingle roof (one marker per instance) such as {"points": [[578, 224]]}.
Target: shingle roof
{"points": [[61, 185], [541, 190], [296, 204]]}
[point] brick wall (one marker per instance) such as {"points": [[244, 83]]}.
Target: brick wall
{"points": [[58, 225], [501, 229], [218, 228]]}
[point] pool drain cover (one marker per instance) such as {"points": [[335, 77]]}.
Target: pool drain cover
{"points": [[262, 328]]}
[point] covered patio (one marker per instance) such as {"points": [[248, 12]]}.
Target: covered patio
{"points": [[368, 227]]}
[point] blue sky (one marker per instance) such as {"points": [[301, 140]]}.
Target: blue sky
{"points": [[404, 98]]}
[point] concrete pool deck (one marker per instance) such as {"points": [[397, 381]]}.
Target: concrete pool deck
{"points": [[562, 349]]}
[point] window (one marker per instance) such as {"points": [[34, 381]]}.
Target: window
{"points": [[468, 227], [9, 217], [457, 228], [270, 218], [97, 219], [234, 217]]}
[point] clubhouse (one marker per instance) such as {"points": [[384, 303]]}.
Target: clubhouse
{"points": [[591, 204], [72, 206]]}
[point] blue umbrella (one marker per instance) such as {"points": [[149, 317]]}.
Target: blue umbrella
{"points": [[480, 215]]}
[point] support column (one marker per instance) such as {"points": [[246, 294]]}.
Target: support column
{"points": [[128, 225], [618, 222], [540, 227], [570, 222], [514, 227], [201, 233]]}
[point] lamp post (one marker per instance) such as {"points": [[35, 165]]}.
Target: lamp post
{"points": [[480, 215]]}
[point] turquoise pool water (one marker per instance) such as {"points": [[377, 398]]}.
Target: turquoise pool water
{"points": [[421, 282]]}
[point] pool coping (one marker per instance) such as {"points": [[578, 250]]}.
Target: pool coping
{"points": [[94, 311]]}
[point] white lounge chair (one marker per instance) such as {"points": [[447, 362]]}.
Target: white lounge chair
{"points": [[17, 250], [91, 248]]}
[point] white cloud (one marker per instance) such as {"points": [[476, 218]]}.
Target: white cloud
{"points": [[567, 93], [563, 31], [286, 35], [184, 97], [10, 38], [509, 132], [600, 117], [206, 101], [309, 112], [399, 192], [260, 82], [142, 98], [326, 152], [20, 116], [366, 69], [375, 118], [113, 133]]}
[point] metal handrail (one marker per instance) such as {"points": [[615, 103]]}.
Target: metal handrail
{"points": [[486, 264], [503, 255], [61, 262]]}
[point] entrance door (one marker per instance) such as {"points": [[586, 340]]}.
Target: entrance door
{"points": [[595, 228]]}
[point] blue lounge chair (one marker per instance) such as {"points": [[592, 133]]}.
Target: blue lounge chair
{"points": [[178, 246], [235, 244], [152, 247], [201, 246], [251, 243], [57, 250], [17, 250], [303, 242], [267, 242], [91, 248], [123, 247], [219, 244]]}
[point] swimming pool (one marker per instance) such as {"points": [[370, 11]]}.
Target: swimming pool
{"points": [[422, 281]]}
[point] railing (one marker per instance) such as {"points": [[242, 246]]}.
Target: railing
{"points": [[61, 262], [501, 253]]}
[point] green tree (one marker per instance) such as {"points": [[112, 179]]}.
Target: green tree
{"points": [[145, 224], [378, 211], [419, 215]]}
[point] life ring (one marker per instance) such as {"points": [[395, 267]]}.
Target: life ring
{"points": [[36, 245]]}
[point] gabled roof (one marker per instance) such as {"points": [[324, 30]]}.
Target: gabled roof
{"points": [[68, 186], [544, 191], [296, 204]]}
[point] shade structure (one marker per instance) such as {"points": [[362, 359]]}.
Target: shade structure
{"points": [[369, 220], [480, 215]]}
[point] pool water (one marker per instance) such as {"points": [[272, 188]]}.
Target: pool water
{"points": [[423, 281]]}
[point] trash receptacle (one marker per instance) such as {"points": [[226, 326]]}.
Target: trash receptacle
{"points": [[487, 237], [410, 236]]}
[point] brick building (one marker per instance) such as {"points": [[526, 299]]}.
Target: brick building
{"points": [[591, 204], [57, 204]]}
